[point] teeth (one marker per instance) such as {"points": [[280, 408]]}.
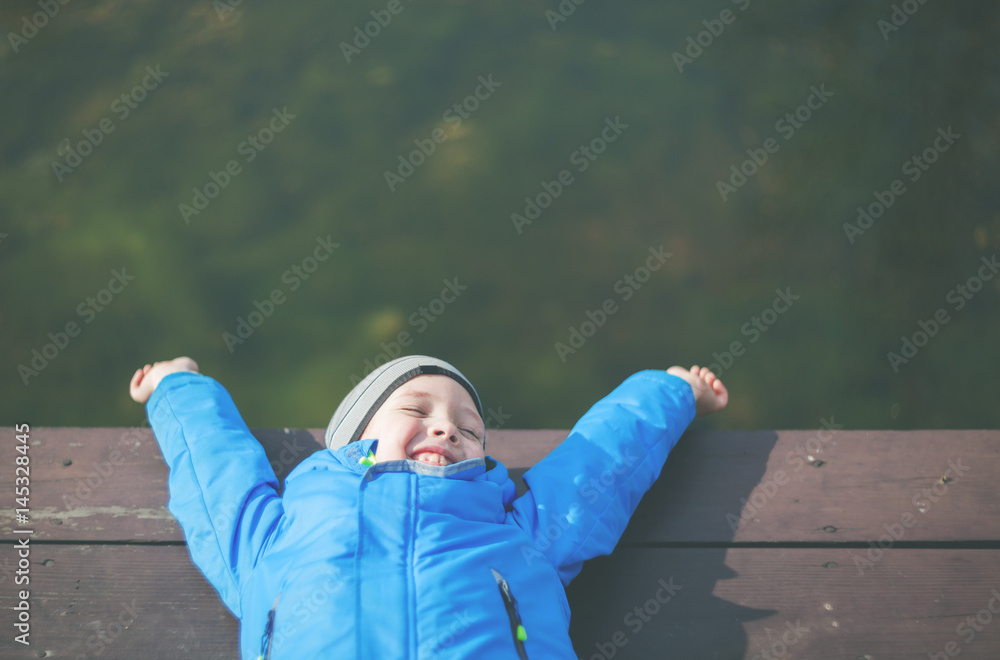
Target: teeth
{"points": [[431, 458]]}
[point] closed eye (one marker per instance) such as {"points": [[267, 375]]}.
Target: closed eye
{"points": [[472, 433]]}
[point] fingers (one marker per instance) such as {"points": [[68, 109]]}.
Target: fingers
{"points": [[145, 380], [139, 388], [715, 395], [713, 381], [700, 386], [135, 385], [704, 373], [721, 393]]}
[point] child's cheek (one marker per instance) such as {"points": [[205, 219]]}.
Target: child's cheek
{"points": [[387, 450], [393, 445], [475, 450]]}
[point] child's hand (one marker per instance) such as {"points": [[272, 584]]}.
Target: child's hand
{"points": [[145, 380], [709, 392]]}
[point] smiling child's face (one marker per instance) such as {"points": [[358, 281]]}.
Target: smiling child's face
{"points": [[430, 418]]}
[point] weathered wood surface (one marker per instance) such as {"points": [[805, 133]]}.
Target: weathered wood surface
{"points": [[120, 601], [150, 602], [759, 529], [847, 490], [740, 602], [110, 484]]}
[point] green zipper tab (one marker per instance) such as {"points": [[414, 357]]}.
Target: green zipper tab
{"points": [[517, 630]]}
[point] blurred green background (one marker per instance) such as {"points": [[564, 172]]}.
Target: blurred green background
{"points": [[230, 66]]}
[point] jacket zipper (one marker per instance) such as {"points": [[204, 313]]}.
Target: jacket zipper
{"points": [[265, 642], [510, 603]]}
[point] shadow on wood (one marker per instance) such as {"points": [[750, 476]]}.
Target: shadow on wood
{"points": [[628, 605]]}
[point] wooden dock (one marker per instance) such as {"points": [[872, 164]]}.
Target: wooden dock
{"points": [[857, 545]]}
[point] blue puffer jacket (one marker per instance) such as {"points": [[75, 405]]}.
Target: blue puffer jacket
{"points": [[402, 559]]}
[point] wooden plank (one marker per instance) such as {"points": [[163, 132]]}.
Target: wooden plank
{"points": [[94, 484], [119, 601], [742, 602], [842, 486], [731, 604], [114, 485]]}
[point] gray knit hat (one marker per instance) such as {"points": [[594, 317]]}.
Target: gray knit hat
{"points": [[360, 404]]}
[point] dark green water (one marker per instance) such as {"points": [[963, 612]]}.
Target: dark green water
{"points": [[92, 184]]}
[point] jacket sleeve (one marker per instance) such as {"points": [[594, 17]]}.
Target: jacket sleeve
{"points": [[223, 491], [580, 497]]}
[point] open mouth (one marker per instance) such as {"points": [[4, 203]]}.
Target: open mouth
{"points": [[431, 458]]}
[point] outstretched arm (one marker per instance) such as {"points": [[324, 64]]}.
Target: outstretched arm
{"points": [[223, 491], [583, 493]]}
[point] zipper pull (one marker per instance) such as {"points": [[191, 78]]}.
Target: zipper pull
{"points": [[517, 630], [265, 642]]}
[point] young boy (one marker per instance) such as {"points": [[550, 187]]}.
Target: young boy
{"points": [[404, 539]]}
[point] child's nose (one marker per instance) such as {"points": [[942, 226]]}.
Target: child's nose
{"points": [[445, 429]]}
